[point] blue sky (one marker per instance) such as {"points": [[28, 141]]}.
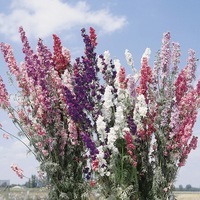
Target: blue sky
{"points": [[120, 25]]}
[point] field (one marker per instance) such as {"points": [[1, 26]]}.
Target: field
{"points": [[23, 194], [187, 195], [41, 194]]}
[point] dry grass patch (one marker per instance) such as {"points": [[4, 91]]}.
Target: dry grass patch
{"points": [[24, 194], [187, 195]]}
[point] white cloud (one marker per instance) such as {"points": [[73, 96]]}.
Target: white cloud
{"points": [[42, 18]]}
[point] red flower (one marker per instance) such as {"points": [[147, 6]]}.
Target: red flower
{"points": [[93, 37]]}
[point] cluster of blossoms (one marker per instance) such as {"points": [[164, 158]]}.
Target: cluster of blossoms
{"points": [[17, 170], [90, 122]]}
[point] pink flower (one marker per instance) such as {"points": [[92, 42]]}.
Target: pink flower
{"points": [[145, 78], [9, 58], [95, 164], [60, 60], [45, 152], [130, 148], [165, 55], [175, 57], [198, 89], [4, 97], [122, 78], [18, 170], [92, 183], [6, 136], [10, 115], [181, 85], [128, 138], [73, 132]]}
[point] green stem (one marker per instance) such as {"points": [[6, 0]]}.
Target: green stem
{"points": [[19, 140], [122, 166]]}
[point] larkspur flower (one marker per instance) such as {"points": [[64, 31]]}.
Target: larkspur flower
{"points": [[10, 59], [60, 61], [145, 78], [108, 103], [93, 37], [112, 137], [101, 128], [122, 78], [4, 96], [146, 55], [130, 147], [131, 87], [175, 57], [17, 170], [119, 120], [165, 56], [90, 145], [129, 58]]}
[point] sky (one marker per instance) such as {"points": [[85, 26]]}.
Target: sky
{"points": [[129, 24]]}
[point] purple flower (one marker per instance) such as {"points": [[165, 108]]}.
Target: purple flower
{"points": [[132, 125], [90, 145]]}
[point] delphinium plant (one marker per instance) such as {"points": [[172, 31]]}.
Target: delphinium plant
{"points": [[144, 128], [91, 125], [52, 109]]}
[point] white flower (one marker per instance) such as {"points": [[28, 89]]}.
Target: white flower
{"points": [[108, 103], [142, 106], [146, 54], [136, 76], [100, 156], [129, 58], [107, 57], [108, 96], [119, 120], [117, 65], [99, 64], [119, 115], [112, 137], [107, 173], [101, 125], [102, 165], [140, 110]]}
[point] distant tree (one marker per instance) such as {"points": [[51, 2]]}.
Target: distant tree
{"points": [[33, 181], [4, 184], [180, 187], [28, 183], [188, 187]]}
